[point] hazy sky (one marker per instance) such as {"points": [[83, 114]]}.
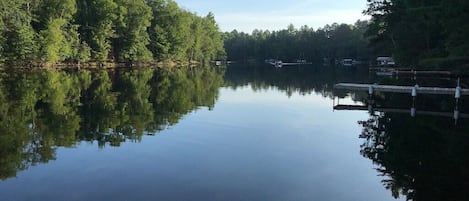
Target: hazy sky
{"points": [[247, 15]]}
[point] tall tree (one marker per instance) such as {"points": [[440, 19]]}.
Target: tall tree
{"points": [[133, 38], [58, 36], [17, 37], [97, 21], [212, 39], [170, 30]]}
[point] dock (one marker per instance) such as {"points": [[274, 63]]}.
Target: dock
{"points": [[280, 64], [408, 72], [413, 90]]}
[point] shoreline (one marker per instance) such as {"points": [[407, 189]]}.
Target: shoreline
{"points": [[97, 65]]}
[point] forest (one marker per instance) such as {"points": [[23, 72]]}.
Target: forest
{"points": [[424, 34], [334, 41], [429, 33], [72, 31]]}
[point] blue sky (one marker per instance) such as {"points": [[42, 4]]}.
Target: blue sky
{"points": [[247, 15]]}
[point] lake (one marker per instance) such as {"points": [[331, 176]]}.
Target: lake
{"points": [[236, 133]]}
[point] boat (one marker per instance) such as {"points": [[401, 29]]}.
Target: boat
{"points": [[278, 64], [385, 61]]}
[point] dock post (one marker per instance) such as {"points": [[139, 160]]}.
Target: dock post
{"points": [[370, 90], [414, 91], [457, 93]]}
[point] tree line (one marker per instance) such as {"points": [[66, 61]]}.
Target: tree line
{"points": [[331, 42], [430, 33], [51, 31]]}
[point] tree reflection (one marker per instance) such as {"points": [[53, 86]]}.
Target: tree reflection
{"points": [[303, 80], [43, 110], [424, 158]]}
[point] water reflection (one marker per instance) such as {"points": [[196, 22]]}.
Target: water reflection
{"points": [[373, 106], [43, 110], [304, 80], [419, 144], [423, 158], [420, 158]]}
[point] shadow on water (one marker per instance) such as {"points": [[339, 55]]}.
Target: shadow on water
{"points": [[43, 110], [419, 145]]}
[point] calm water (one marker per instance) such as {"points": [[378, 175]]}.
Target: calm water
{"points": [[222, 134]]}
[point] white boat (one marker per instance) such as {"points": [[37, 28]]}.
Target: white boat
{"points": [[278, 64], [385, 61]]}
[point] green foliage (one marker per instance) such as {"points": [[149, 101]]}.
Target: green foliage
{"points": [[82, 53], [164, 15], [334, 41], [179, 35], [133, 36], [54, 9], [52, 31], [51, 40], [416, 30], [212, 40], [97, 18], [17, 37], [58, 36]]}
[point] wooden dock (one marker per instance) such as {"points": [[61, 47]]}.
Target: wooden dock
{"points": [[414, 90]]}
